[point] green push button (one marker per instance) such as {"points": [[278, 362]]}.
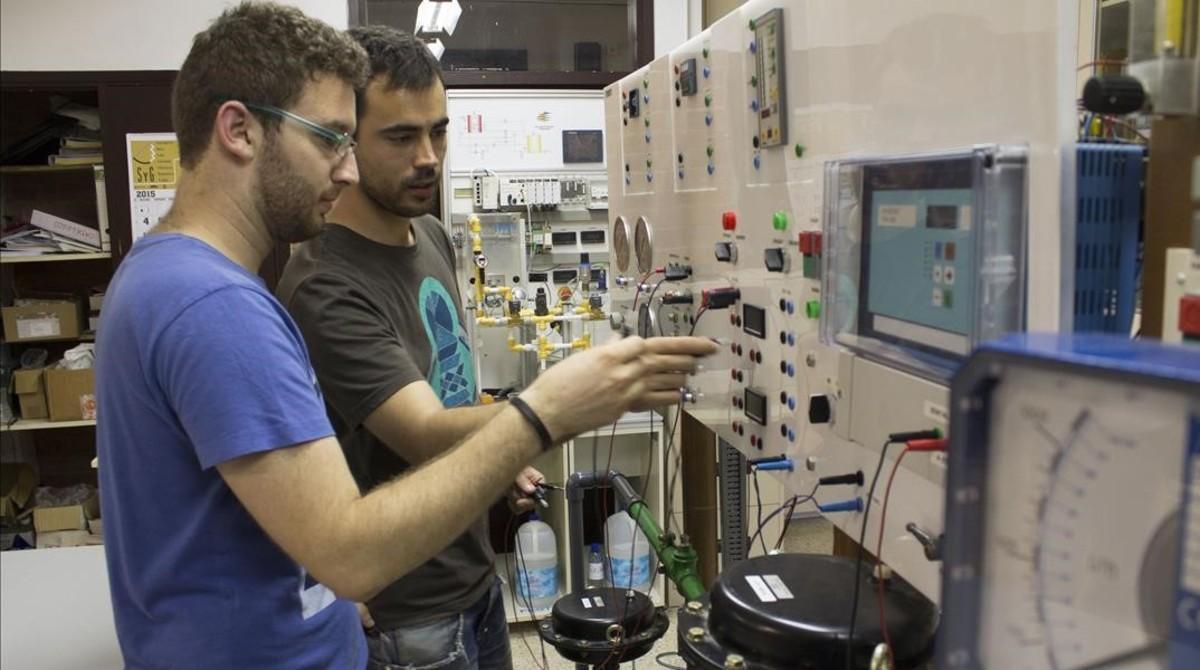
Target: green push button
{"points": [[752, 24], [948, 299], [813, 309], [779, 221], [708, 99], [709, 151], [754, 80], [811, 267], [647, 123], [648, 162], [799, 150], [704, 52]]}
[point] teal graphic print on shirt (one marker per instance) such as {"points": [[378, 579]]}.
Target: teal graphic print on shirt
{"points": [[452, 374]]}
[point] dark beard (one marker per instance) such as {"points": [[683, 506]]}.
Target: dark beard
{"points": [[392, 199], [286, 204]]}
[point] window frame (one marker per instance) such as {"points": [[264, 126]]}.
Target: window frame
{"points": [[641, 31]]}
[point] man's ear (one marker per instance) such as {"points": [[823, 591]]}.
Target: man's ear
{"points": [[237, 131]]}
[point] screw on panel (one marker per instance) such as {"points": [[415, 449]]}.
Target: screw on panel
{"points": [[735, 662], [695, 634], [694, 607]]}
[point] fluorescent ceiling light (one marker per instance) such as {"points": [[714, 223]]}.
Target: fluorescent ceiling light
{"points": [[438, 16]]}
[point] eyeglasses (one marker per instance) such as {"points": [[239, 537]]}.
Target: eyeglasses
{"points": [[340, 143]]}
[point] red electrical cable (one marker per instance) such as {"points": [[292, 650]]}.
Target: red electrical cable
{"points": [[912, 445]]}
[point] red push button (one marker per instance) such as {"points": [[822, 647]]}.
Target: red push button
{"points": [[729, 220], [1189, 315]]}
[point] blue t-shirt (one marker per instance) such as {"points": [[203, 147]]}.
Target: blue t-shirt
{"points": [[198, 364]]}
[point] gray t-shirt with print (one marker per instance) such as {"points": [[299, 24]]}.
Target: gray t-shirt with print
{"points": [[377, 318]]}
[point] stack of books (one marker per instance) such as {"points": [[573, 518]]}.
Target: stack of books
{"points": [[49, 234], [78, 150]]}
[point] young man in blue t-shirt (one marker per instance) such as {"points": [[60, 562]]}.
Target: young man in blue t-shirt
{"points": [[231, 517]]}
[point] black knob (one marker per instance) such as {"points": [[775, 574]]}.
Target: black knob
{"points": [[1113, 94]]}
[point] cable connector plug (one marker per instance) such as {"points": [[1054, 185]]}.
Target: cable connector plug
{"points": [[719, 298], [934, 434], [677, 272], [939, 444], [855, 478]]}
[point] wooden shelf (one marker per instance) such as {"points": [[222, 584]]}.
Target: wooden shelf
{"points": [[42, 424], [51, 258], [32, 169]]}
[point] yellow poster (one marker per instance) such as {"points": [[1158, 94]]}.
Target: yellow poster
{"points": [[154, 163], [153, 177]]}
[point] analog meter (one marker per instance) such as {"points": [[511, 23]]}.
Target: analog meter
{"points": [[1071, 541], [620, 243], [643, 245]]}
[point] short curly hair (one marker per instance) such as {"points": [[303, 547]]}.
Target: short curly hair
{"points": [[257, 52]]}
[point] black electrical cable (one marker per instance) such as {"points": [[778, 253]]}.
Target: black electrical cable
{"points": [[790, 503], [858, 561], [758, 501]]}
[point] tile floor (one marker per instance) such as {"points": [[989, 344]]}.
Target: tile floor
{"points": [[811, 536]]}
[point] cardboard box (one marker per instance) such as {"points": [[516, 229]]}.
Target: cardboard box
{"points": [[17, 483], [30, 389], [65, 538], [50, 519], [71, 394], [45, 320]]}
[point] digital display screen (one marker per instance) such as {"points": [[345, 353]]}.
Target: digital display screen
{"points": [[919, 265], [942, 217], [583, 146], [754, 321], [756, 407]]}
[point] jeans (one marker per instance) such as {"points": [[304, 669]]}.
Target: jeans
{"points": [[476, 639]]}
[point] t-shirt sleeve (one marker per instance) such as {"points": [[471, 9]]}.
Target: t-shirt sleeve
{"points": [[237, 377], [359, 360]]}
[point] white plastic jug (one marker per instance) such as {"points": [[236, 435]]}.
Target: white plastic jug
{"points": [[629, 552], [536, 565]]}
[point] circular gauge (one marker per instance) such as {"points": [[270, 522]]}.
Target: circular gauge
{"points": [[643, 245], [620, 243], [1076, 564]]}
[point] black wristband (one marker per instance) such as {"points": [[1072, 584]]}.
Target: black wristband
{"points": [[532, 417]]}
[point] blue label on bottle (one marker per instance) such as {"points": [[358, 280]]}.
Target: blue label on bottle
{"points": [[621, 568], [538, 583]]}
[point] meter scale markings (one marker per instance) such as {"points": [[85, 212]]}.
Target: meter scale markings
{"points": [[1068, 563]]}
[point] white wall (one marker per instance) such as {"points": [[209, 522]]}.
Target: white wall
{"points": [[671, 24], [116, 34]]}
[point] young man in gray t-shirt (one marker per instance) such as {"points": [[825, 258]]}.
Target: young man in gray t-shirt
{"points": [[376, 299]]}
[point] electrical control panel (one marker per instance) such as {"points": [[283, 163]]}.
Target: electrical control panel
{"points": [[826, 172]]}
